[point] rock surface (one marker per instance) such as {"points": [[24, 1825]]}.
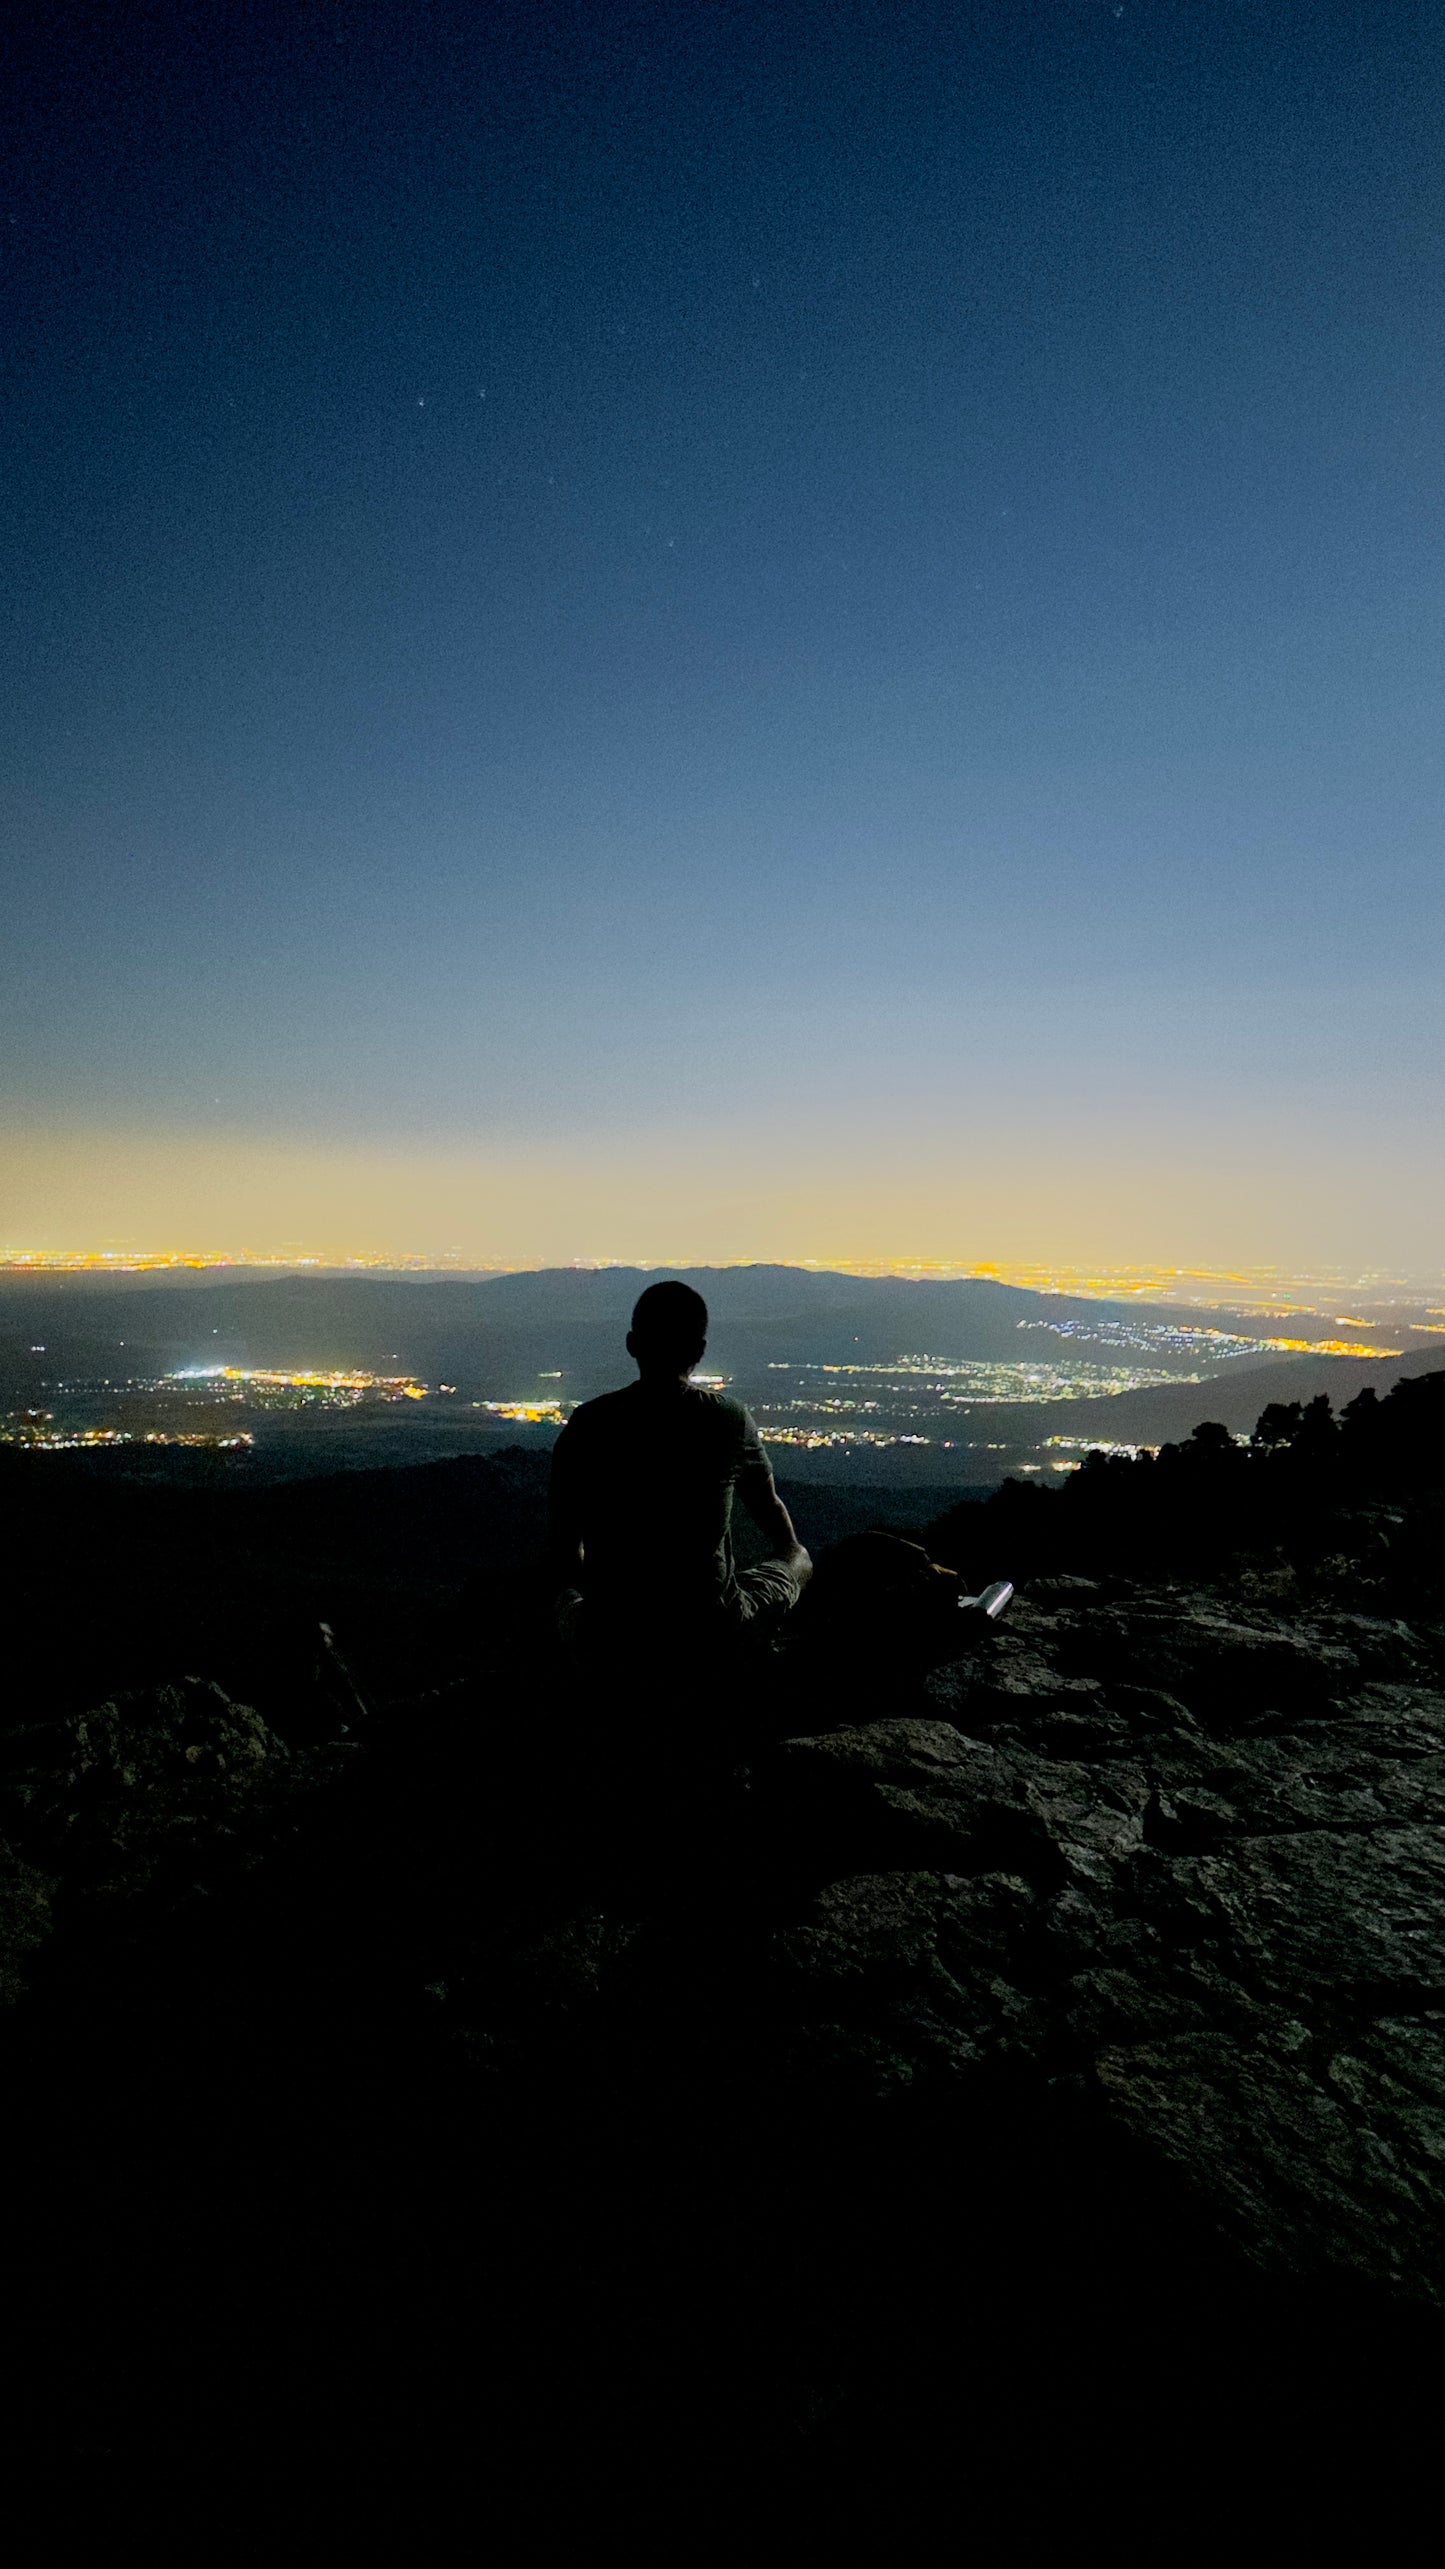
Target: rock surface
{"points": [[1043, 2049], [1193, 1858], [110, 1793]]}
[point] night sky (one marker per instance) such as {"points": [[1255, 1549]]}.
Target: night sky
{"points": [[725, 631]]}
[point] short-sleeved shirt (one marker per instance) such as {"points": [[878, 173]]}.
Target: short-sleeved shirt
{"points": [[645, 1477]]}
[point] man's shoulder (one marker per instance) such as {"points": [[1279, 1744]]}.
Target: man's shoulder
{"points": [[729, 1416], [629, 1410], [602, 1411]]}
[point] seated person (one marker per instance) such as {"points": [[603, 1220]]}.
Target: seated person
{"points": [[642, 1495]]}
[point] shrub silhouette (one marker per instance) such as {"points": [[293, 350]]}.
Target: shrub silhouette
{"points": [[1306, 1486]]}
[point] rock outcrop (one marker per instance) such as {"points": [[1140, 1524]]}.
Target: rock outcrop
{"points": [[165, 1773], [1189, 1858], [1041, 2046]]}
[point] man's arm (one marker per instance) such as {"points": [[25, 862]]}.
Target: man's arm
{"points": [[759, 1494]]}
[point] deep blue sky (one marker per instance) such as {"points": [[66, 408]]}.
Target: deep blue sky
{"points": [[742, 589]]}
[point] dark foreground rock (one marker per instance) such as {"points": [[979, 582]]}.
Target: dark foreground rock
{"points": [[1221, 1909], [1043, 2062]]}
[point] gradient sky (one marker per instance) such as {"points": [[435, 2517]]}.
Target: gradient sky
{"points": [[726, 631]]}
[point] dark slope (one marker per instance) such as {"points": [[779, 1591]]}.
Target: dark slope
{"points": [[123, 1584], [1025, 2092], [126, 1581]]}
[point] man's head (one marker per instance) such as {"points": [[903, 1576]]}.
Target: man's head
{"points": [[668, 1333]]}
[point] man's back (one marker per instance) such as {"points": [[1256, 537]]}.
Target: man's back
{"points": [[642, 1501], [644, 1480]]}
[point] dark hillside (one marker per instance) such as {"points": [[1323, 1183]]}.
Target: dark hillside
{"points": [[126, 1585], [1350, 1502], [961, 2069], [128, 1581]]}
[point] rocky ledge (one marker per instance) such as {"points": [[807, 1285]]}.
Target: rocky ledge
{"points": [[1185, 1859], [1042, 2047]]}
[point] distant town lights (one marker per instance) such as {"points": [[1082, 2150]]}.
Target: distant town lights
{"points": [[1268, 1290], [319, 1379]]}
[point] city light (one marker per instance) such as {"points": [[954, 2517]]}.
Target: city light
{"points": [[51, 1439], [345, 1384], [979, 1382], [127, 1262], [528, 1413]]}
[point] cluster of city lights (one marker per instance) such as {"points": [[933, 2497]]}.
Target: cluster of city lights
{"points": [[813, 1439], [127, 1262], [525, 1413], [1327, 1347], [346, 1385], [1220, 1344], [42, 1436], [1263, 1289], [1103, 1445], [978, 1382]]}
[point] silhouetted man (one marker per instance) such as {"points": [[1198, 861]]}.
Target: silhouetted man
{"points": [[642, 1494]]}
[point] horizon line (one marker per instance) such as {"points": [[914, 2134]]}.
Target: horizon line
{"points": [[1156, 1280]]}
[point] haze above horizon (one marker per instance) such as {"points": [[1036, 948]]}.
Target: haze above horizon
{"points": [[1257, 1289], [763, 630]]}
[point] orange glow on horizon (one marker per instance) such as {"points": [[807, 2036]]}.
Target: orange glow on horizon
{"points": [[1132, 1217], [1263, 1290]]}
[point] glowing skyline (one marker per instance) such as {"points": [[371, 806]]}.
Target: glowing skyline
{"points": [[1256, 1289]]}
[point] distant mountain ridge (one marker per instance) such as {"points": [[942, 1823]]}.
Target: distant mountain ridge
{"points": [[497, 1333]]}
